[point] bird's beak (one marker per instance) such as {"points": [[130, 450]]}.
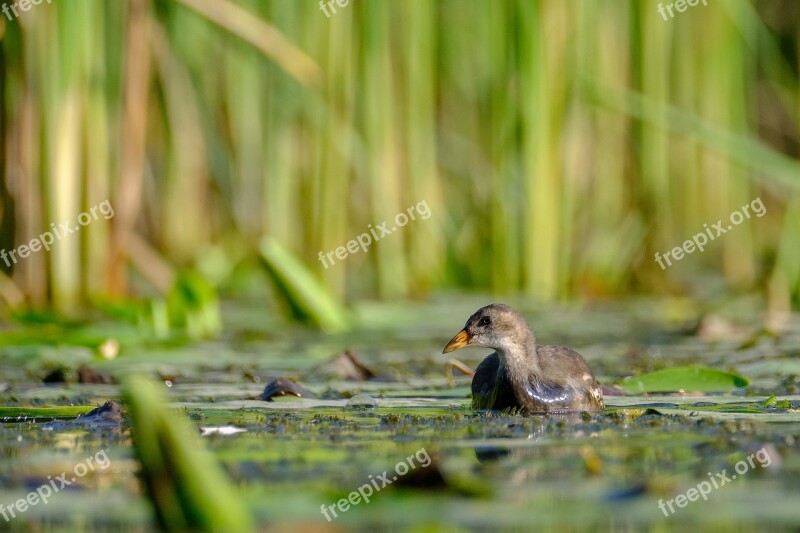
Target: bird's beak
{"points": [[459, 341]]}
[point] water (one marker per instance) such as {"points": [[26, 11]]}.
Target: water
{"points": [[620, 469]]}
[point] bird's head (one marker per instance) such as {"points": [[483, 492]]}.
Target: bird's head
{"points": [[495, 326]]}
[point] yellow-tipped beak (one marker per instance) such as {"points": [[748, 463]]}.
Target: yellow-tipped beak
{"points": [[459, 341]]}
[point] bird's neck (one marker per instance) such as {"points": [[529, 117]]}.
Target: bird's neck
{"points": [[519, 359]]}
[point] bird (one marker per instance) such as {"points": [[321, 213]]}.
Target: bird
{"points": [[521, 374]]}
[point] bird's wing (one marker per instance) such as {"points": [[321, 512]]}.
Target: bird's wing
{"points": [[568, 370], [561, 363]]}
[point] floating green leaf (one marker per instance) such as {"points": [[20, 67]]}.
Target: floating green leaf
{"points": [[689, 379]]}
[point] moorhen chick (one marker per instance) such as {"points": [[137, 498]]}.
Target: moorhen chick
{"points": [[521, 374]]}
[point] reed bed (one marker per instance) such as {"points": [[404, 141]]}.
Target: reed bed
{"points": [[559, 144]]}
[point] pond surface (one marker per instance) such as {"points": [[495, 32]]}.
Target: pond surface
{"points": [[720, 462]]}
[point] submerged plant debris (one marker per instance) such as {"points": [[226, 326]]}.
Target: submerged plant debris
{"points": [[289, 457]]}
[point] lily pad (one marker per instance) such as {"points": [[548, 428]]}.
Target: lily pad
{"points": [[689, 379]]}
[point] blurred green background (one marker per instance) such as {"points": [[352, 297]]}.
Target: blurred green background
{"points": [[558, 145], [549, 149]]}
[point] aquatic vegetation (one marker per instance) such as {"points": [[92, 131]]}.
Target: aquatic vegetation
{"points": [[687, 379], [187, 488], [284, 459], [301, 291]]}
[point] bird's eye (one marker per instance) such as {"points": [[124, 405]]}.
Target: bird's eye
{"points": [[484, 321]]}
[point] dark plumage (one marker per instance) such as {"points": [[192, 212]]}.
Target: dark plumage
{"points": [[522, 374]]}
